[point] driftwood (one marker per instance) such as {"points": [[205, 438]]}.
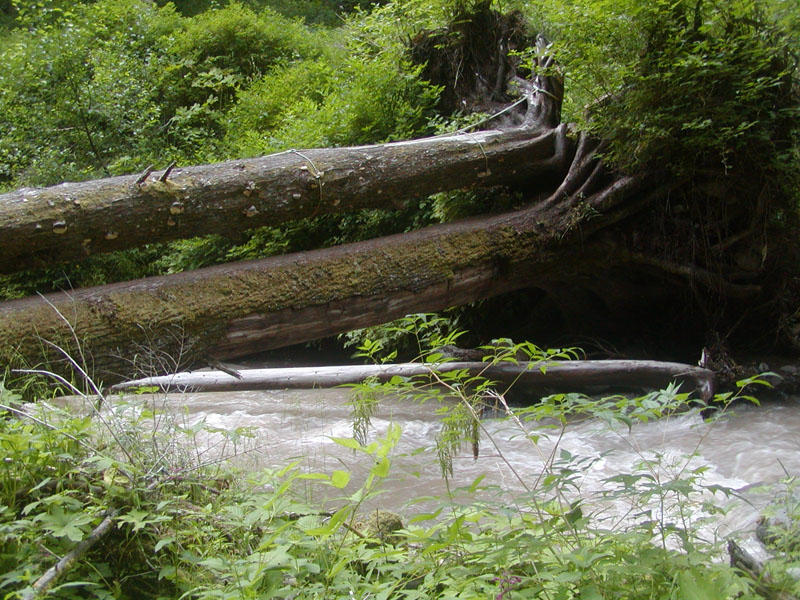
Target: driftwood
{"points": [[46, 581], [765, 585], [574, 376]]}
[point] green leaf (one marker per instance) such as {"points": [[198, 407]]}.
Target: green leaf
{"points": [[163, 542], [142, 518], [475, 483], [381, 469], [346, 442], [60, 523], [340, 479], [695, 585]]}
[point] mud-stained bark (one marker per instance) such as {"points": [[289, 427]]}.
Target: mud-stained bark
{"points": [[72, 220]]}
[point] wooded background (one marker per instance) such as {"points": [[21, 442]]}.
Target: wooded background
{"points": [[628, 172]]}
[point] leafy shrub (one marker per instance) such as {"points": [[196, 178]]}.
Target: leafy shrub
{"points": [[266, 104], [187, 528], [215, 54], [77, 99], [688, 85]]}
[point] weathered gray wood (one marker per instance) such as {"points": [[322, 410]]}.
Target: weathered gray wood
{"points": [[72, 220], [54, 573], [569, 376]]}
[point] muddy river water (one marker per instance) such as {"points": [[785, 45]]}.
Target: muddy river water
{"points": [[744, 450]]}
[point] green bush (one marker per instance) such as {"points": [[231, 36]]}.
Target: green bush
{"points": [[186, 527], [77, 100], [691, 86]]}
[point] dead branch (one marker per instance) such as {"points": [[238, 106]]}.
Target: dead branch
{"points": [[46, 581], [574, 376]]}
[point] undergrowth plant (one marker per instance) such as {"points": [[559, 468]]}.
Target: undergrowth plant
{"points": [[124, 501], [649, 533]]}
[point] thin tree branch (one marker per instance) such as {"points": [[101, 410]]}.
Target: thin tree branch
{"points": [[51, 576]]}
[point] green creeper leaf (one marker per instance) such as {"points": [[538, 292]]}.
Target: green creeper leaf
{"points": [[346, 442], [340, 479]]}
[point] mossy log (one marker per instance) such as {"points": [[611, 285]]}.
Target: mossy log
{"points": [[72, 220], [159, 324]]}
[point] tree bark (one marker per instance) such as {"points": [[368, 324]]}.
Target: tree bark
{"points": [[162, 324], [72, 220], [226, 311], [565, 376]]}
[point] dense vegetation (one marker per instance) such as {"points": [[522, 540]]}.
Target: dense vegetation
{"points": [[697, 89], [704, 89], [166, 521]]}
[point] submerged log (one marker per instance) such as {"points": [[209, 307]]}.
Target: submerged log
{"points": [[569, 376]]}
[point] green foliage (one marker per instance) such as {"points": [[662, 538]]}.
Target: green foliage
{"points": [[37, 14], [184, 528], [77, 100], [336, 102], [412, 336], [320, 12], [687, 85], [712, 91], [213, 55], [110, 87], [96, 270]]}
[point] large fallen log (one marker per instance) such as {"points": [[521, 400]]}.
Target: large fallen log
{"points": [[568, 376], [72, 220], [561, 241], [163, 324]]}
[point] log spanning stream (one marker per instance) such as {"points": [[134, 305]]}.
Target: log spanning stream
{"points": [[741, 450]]}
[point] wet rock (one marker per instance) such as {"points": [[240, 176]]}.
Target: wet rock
{"points": [[381, 525], [779, 526]]}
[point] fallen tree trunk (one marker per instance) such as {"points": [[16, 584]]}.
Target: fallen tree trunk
{"points": [[160, 324], [557, 243], [564, 376], [72, 220]]}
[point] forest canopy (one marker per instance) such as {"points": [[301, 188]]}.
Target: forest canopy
{"points": [[704, 92]]}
